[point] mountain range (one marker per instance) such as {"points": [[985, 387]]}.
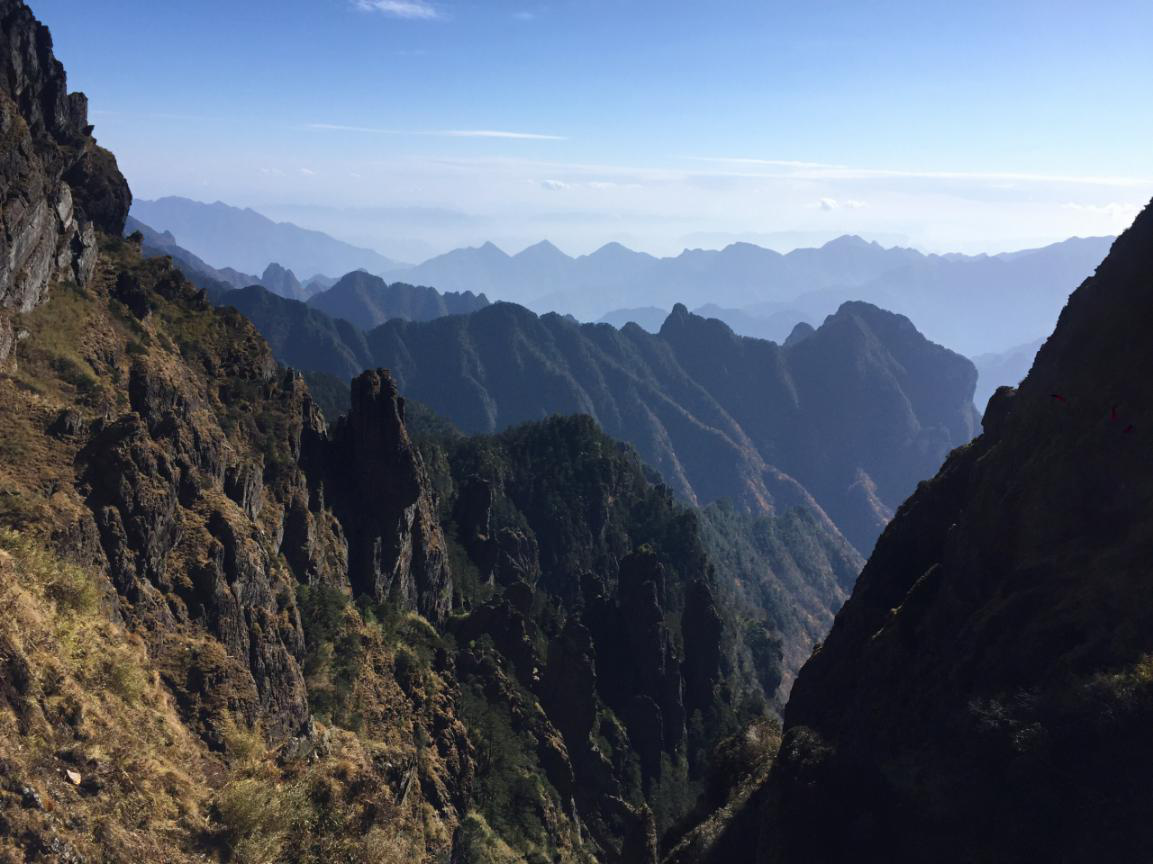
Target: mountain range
{"points": [[973, 304], [976, 305], [844, 419]]}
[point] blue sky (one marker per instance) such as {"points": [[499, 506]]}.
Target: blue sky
{"points": [[417, 125]]}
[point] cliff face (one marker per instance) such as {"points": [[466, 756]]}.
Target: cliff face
{"points": [[56, 186], [985, 693]]}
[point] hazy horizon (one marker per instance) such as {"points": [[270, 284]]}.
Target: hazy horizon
{"points": [[420, 126]]}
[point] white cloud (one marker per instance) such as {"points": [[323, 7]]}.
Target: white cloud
{"points": [[412, 9], [828, 204], [555, 185], [307, 172], [524, 16]]}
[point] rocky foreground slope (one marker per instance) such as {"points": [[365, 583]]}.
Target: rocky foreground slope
{"points": [[985, 695]]}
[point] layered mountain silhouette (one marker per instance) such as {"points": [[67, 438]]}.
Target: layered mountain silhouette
{"points": [[227, 236], [973, 304], [847, 420], [985, 694]]}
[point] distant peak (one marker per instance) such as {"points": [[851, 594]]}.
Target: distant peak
{"points": [[491, 248], [848, 241], [678, 318], [800, 333], [544, 250]]}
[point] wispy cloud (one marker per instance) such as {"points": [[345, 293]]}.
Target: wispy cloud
{"points": [[493, 133], [412, 9], [440, 133], [827, 171]]}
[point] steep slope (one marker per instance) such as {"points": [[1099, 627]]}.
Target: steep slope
{"points": [[984, 695], [368, 301], [594, 587], [242, 238], [795, 568], [847, 421]]}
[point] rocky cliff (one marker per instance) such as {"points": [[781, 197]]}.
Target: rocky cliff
{"points": [[57, 188], [985, 693]]}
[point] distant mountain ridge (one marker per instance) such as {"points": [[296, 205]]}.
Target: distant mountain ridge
{"points": [[974, 304], [244, 239]]}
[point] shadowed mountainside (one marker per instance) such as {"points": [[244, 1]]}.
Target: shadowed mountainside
{"points": [[846, 421], [985, 693]]}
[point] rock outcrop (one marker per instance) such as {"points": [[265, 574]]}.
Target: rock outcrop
{"points": [[985, 693], [375, 482]]}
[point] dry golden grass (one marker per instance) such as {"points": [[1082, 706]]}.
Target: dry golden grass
{"points": [[85, 700]]}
